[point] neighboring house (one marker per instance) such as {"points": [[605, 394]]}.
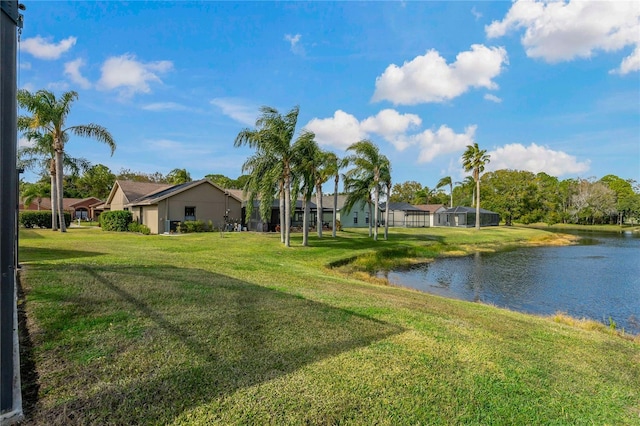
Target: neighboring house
{"points": [[405, 215], [357, 217], [255, 222], [165, 206], [465, 217], [97, 209], [432, 209], [125, 192], [74, 206], [83, 209]]}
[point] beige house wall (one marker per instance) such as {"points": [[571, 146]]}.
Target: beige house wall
{"points": [[119, 200], [210, 205], [150, 218]]}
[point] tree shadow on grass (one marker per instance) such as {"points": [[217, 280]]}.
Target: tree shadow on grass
{"points": [[205, 336], [32, 254]]}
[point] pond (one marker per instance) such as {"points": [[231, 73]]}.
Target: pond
{"points": [[598, 279]]}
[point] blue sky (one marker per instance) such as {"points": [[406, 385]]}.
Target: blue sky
{"points": [[551, 87]]}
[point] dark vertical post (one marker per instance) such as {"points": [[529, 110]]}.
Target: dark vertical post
{"points": [[20, 170], [10, 399]]}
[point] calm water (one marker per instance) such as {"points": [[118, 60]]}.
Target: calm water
{"points": [[598, 279]]}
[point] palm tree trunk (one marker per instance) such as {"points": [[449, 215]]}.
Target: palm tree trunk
{"points": [[319, 210], [370, 216], [54, 200], [282, 213], [478, 203], [60, 179], [451, 195], [335, 207], [305, 223], [386, 213], [376, 194], [287, 210]]}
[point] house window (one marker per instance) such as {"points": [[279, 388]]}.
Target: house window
{"points": [[189, 213], [366, 217], [355, 218]]}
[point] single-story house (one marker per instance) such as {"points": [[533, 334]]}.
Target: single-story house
{"points": [[465, 217], [405, 215], [83, 209], [357, 217], [79, 208], [256, 223], [432, 209], [165, 206]]}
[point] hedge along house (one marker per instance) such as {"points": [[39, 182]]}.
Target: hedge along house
{"points": [[79, 208], [164, 208], [405, 215], [465, 217]]}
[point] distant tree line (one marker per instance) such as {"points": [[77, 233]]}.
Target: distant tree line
{"points": [[525, 197]]}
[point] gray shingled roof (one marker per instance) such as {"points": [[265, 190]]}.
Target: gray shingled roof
{"points": [[135, 190]]}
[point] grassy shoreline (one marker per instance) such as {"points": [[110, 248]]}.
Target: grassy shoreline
{"points": [[203, 329], [583, 228]]}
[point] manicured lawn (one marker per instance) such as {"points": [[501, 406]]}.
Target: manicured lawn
{"points": [[205, 329]]}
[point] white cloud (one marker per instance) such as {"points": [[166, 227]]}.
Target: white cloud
{"points": [[536, 158], [343, 129], [296, 47], [339, 131], [72, 70], [238, 109], [165, 106], [25, 65], [492, 98], [443, 141], [43, 48], [475, 13], [428, 78], [562, 31], [390, 124], [131, 76], [630, 63]]}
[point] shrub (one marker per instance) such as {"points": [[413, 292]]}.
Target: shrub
{"points": [[138, 227], [192, 226], [117, 220], [40, 219]]}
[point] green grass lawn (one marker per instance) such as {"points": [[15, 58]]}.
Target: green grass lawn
{"points": [[237, 329]]}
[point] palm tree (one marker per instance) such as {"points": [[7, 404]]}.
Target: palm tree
{"points": [[327, 167], [358, 190], [444, 182], [473, 160], [262, 184], [385, 178], [306, 168], [369, 167], [468, 184], [41, 155], [333, 165], [272, 138], [34, 191], [49, 116]]}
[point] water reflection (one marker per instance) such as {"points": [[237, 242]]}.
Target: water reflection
{"points": [[598, 279]]}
